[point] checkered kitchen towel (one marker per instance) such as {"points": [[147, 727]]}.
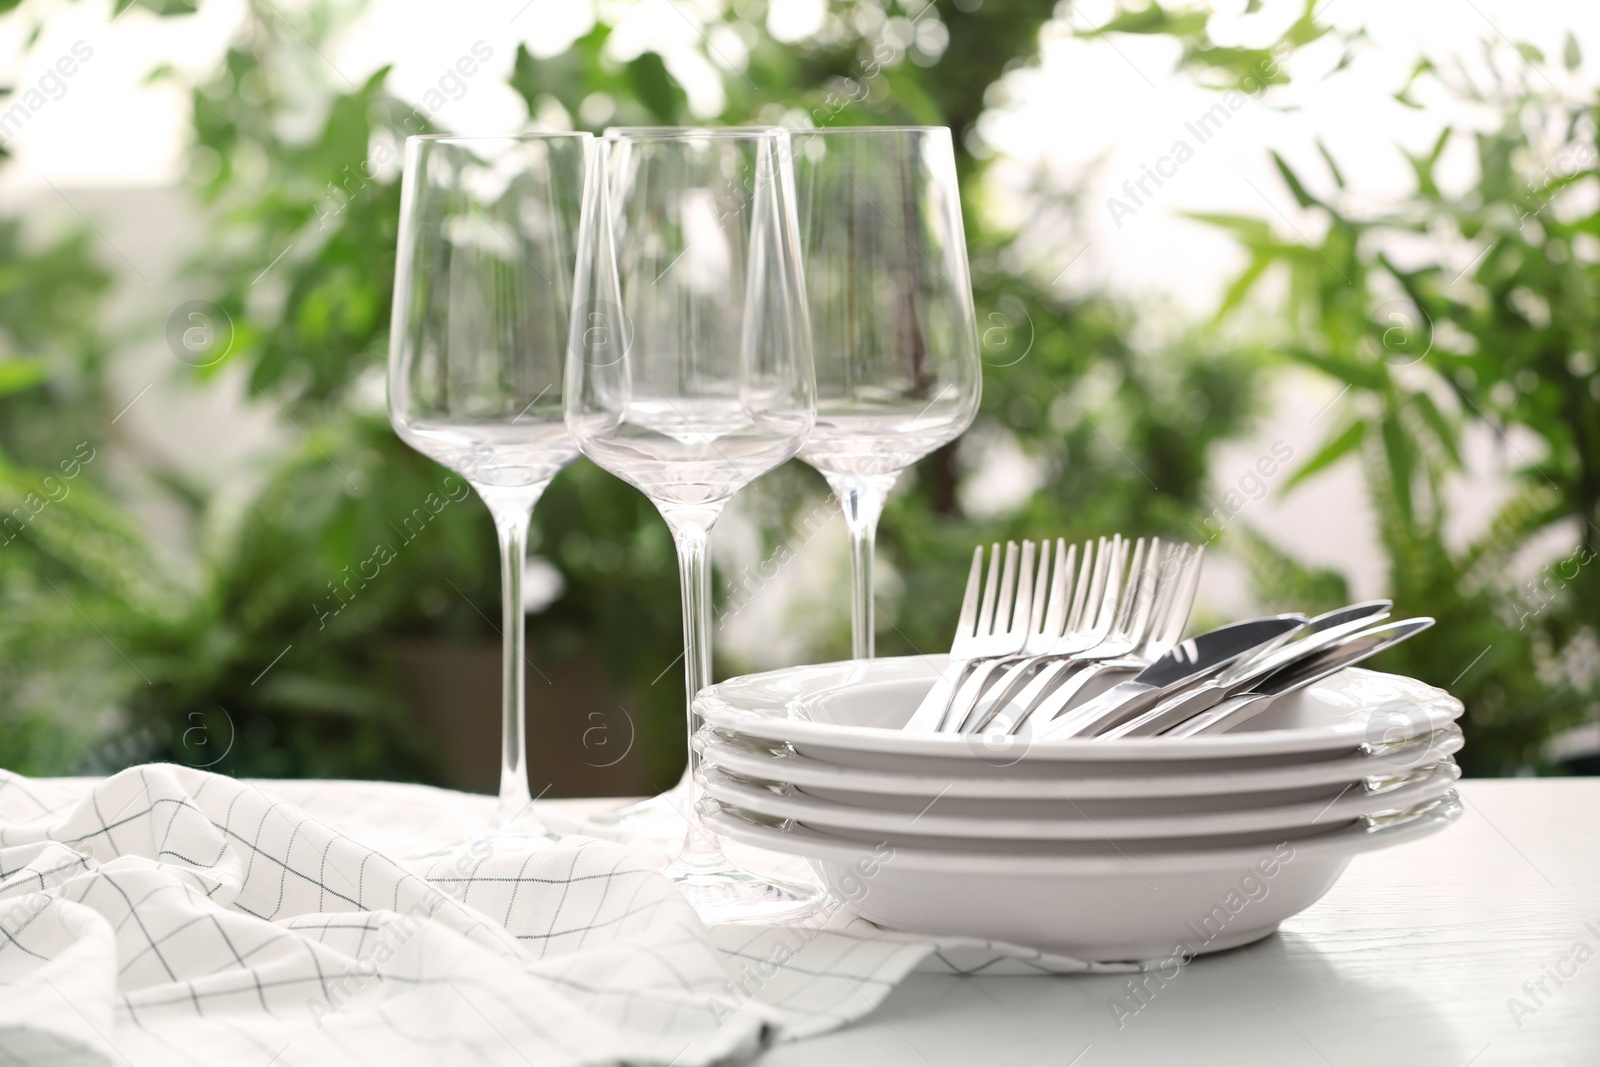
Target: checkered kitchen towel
{"points": [[166, 915]]}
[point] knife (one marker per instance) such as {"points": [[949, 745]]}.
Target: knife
{"points": [[1244, 706], [1326, 629], [1184, 663]]}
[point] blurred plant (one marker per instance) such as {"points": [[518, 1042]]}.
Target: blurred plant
{"points": [[296, 170], [1491, 323]]}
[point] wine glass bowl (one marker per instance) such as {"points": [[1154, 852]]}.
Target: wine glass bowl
{"points": [[893, 325], [483, 287], [699, 378]]}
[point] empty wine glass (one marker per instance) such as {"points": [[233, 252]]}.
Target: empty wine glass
{"points": [[689, 376], [482, 304], [892, 322]]}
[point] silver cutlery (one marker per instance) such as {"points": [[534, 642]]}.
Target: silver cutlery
{"points": [[1171, 587], [1105, 617], [1244, 706], [997, 628], [1100, 621], [1320, 632], [1185, 663], [1053, 587]]}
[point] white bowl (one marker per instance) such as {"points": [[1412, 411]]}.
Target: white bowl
{"points": [[1140, 900], [1118, 819], [851, 714], [1051, 781]]}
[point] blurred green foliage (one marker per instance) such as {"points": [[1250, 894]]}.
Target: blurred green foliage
{"points": [[1493, 329], [110, 652]]}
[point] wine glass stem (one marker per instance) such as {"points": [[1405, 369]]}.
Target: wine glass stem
{"points": [[861, 498], [694, 573], [512, 511]]}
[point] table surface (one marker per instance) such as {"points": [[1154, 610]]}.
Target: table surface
{"points": [[1419, 955]]}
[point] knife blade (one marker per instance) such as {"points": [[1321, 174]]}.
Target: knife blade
{"points": [[1186, 662]]}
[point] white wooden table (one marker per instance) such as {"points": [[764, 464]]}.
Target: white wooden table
{"points": [[1419, 955]]}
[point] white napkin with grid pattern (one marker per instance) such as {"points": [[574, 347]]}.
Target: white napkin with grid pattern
{"points": [[167, 915]]}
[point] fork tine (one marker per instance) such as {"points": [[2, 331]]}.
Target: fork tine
{"points": [[1104, 561], [1134, 583], [1171, 574], [986, 613], [1008, 590], [1041, 580], [1022, 611], [1080, 592], [1183, 594], [1061, 585], [1140, 595], [1116, 569], [969, 601], [1149, 585]]}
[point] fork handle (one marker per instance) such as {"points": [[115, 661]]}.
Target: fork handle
{"points": [[998, 696], [930, 714], [1045, 716], [983, 679], [1007, 713]]}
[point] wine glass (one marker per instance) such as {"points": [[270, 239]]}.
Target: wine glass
{"points": [[482, 304], [689, 376], [892, 322]]}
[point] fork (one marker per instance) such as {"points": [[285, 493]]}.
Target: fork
{"points": [[1049, 615], [1092, 621], [1076, 620], [997, 628], [1177, 583], [1138, 634]]}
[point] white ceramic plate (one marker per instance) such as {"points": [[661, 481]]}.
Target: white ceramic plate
{"points": [[1077, 820], [778, 762], [851, 714], [1091, 900]]}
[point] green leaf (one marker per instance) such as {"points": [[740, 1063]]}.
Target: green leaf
{"points": [[1571, 57], [1422, 66], [1296, 188], [656, 88], [163, 8], [1247, 227], [1400, 453], [1309, 588], [1333, 168], [1155, 20], [1443, 431], [1424, 165], [19, 374], [1240, 287], [1362, 375], [1334, 449]]}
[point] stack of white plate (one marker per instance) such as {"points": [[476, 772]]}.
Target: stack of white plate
{"points": [[1102, 850]]}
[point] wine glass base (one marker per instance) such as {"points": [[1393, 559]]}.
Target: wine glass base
{"points": [[731, 895], [659, 821]]}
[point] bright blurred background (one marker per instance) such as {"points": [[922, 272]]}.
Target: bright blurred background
{"points": [[1317, 284]]}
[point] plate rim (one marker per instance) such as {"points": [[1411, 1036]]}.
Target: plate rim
{"points": [[1342, 842], [713, 707], [792, 767], [823, 814]]}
